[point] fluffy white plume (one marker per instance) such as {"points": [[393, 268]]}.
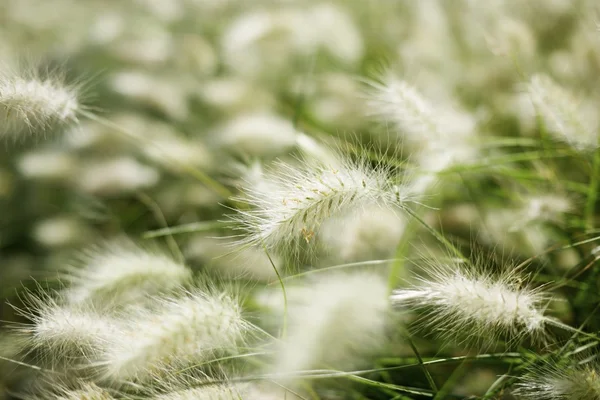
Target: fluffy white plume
{"points": [[563, 114], [61, 391], [269, 40], [557, 381], [165, 94], [207, 392], [32, 104], [66, 334], [47, 165], [176, 331], [366, 234], [334, 322], [121, 273], [463, 302], [215, 255], [290, 202], [442, 135], [398, 102], [59, 231]]}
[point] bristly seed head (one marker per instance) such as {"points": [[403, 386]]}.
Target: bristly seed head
{"points": [[563, 114], [121, 273], [396, 101], [467, 303], [177, 331], [29, 103], [60, 333], [558, 380], [335, 321], [292, 201]]}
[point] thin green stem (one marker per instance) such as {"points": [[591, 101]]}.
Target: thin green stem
{"points": [[398, 264], [159, 216], [456, 375], [193, 227], [423, 368], [283, 291], [436, 234]]}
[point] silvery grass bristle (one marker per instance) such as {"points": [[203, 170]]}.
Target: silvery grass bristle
{"points": [[393, 100], [70, 335], [560, 380], [121, 273], [288, 204], [226, 391], [224, 382], [238, 84], [206, 392], [257, 135], [337, 321], [441, 135], [567, 118], [473, 305], [422, 121], [195, 327], [31, 104], [55, 390]]}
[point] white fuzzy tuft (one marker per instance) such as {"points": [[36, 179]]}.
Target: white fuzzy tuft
{"points": [[403, 105], [124, 273], [58, 390], [34, 105], [66, 334], [442, 134], [292, 201], [334, 322], [207, 392], [178, 331], [562, 113], [554, 381], [228, 392], [467, 303]]}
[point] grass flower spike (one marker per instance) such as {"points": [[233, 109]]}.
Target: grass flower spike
{"points": [[441, 135], [334, 322], [285, 199], [292, 201], [554, 381], [398, 102], [193, 328], [32, 104], [61, 333], [207, 392], [562, 113], [62, 391], [119, 274], [472, 304]]}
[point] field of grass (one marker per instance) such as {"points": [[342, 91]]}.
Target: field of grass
{"points": [[299, 199]]}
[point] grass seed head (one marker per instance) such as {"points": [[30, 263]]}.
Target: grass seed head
{"points": [[460, 302], [31, 104]]}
